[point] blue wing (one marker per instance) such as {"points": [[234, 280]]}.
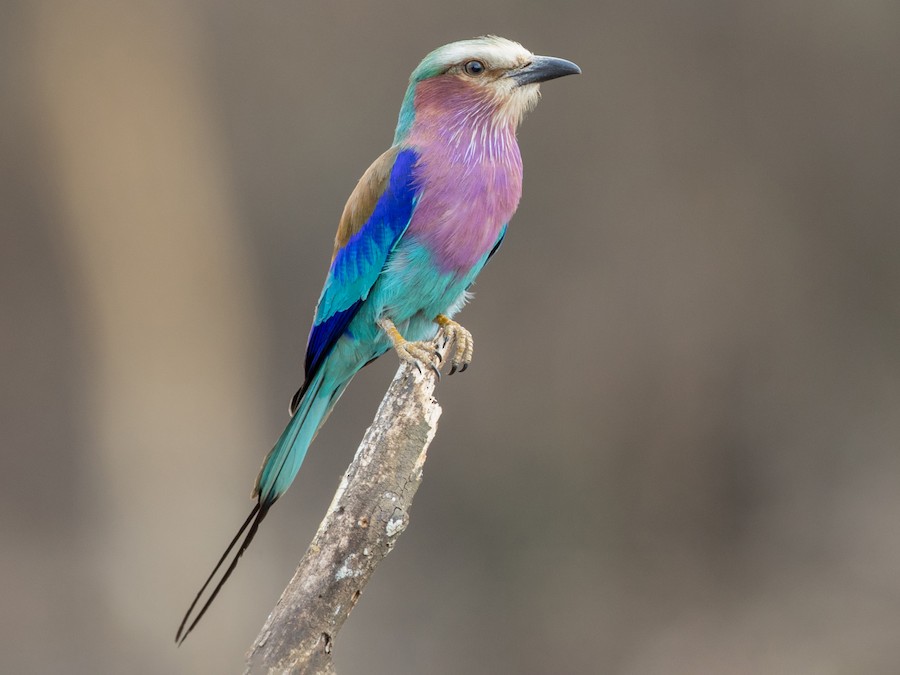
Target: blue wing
{"points": [[358, 262]]}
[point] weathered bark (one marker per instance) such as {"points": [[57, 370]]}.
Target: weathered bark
{"points": [[368, 513]]}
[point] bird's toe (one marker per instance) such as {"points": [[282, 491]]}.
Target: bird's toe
{"points": [[463, 344], [420, 354]]}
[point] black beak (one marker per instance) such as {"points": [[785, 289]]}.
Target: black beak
{"points": [[543, 68]]}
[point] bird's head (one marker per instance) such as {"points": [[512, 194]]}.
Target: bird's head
{"points": [[487, 75]]}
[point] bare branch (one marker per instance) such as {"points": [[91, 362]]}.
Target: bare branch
{"points": [[368, 513]]}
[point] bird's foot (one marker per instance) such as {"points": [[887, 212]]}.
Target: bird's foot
{"points": [[418, 354], [462, 342]]}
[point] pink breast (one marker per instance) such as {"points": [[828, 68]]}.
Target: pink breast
{"points": [[470, 171]]}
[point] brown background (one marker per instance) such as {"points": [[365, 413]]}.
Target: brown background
{"points": [[677, 449]]}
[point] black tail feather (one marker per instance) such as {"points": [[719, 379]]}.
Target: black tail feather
{"points": [[256, 517]]}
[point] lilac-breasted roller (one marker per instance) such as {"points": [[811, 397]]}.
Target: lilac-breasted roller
{"points": [[417, 229]]}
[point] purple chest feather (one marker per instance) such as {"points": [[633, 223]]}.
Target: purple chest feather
{"points": [[469, 170]]}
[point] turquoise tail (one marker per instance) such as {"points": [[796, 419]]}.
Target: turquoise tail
{"points": [[311, 406]]}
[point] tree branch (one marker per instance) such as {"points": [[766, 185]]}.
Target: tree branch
{"points": [[369, 512]]}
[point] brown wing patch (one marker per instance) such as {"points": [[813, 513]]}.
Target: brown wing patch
{"points": [[364, 197]]}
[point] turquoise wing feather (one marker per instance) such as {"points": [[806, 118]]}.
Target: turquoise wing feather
{"points": [[357, 262]]}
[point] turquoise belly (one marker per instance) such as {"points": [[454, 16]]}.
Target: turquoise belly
{"points": [[411, 292]]}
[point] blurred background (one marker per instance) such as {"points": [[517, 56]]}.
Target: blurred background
{"points": [[677, 448]]}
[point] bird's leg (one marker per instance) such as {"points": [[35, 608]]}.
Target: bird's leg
{"points": [[462, 339], [416, 353]]}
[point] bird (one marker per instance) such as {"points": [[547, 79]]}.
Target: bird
{"points": [[419, 226]]}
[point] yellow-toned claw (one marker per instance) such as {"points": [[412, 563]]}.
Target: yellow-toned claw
{"points": [[416, 353], [463, 345]]}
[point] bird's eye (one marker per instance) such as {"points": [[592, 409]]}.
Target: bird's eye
{"points": [[474, 68]]}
